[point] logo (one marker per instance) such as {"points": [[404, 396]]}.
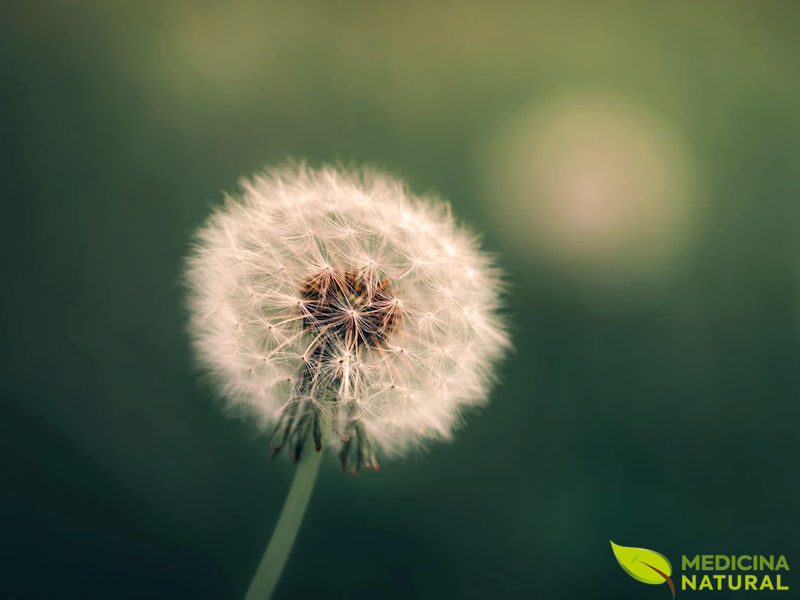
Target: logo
{"points": [[644, 565], [706, 572]]}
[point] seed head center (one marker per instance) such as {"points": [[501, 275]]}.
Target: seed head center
{"points": [[345, 305]]}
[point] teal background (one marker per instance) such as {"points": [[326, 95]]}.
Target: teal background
{"points": [[660, 411]]}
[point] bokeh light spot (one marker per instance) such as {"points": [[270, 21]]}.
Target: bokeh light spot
{"points": [[594, 183]]}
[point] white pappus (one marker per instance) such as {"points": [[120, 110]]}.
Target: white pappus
{"points": [[339, 309]]}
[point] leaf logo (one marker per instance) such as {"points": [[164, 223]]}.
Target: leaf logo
{"points": [[644, 565]]}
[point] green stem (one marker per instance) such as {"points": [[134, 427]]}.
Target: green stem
{"points": [[269, 569]]}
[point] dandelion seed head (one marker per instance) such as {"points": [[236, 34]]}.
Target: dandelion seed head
{"points": [[336, 306]]}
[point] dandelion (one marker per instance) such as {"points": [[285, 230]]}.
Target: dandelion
{"points": [[341, 311]]}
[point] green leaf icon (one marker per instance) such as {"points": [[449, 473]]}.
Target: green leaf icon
{"points": [[642, 564]]}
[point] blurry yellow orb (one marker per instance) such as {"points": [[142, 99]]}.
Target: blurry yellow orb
{"points": [[595, 183]]}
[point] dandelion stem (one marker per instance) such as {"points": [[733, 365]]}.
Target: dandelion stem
{"points": [[280, 545]]}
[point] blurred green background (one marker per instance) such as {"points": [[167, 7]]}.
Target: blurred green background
{"points": [[634, 166]]}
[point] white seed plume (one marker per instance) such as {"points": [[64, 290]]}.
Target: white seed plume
{"points": [[338, 308]]}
